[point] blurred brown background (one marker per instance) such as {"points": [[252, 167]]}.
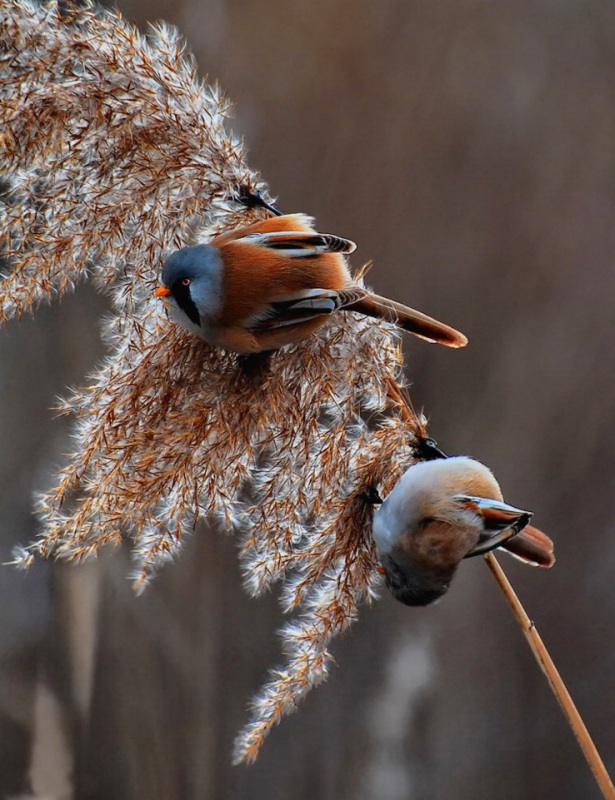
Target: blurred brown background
{"points": [[469, 148]]}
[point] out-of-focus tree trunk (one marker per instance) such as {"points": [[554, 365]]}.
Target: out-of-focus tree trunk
{"points": [[468, 149]]}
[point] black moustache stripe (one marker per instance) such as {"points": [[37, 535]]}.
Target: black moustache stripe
{"points": [[184, 300]]}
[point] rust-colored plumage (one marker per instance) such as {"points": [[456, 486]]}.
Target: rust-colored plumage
{"points": [[273, 283]]}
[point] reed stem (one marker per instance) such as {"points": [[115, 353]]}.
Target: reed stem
{"points": [[558, 687]]}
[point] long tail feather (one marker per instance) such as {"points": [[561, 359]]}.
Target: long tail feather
{"points": [[532, 546], [410, 320]]}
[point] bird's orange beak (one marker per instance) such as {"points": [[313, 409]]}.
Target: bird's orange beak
{"points": [[162, 291]]}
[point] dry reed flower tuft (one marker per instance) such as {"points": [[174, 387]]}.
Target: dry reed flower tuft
{"points": [[115, 154]]}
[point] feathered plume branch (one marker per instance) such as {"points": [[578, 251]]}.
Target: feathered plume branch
{"points": [[115, 154]]}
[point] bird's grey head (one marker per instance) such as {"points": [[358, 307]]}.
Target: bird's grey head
{"points": [[193, 275]]}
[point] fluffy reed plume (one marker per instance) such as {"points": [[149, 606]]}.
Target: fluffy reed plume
{"points": [[114, 155]]}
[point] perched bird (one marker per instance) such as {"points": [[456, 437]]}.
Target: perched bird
{"points": [[441, 512], [273, 283]]}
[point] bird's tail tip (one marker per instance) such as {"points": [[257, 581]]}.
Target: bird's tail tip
{"points": [[532, 546]]}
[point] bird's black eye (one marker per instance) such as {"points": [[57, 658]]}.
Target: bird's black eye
{"points": [[185, 281]]}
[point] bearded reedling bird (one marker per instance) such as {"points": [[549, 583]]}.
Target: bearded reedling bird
{"points": [[441, 512], [273, 283]]}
